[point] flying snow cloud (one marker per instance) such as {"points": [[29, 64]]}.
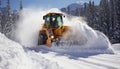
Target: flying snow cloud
{"points": [[31, 22]]}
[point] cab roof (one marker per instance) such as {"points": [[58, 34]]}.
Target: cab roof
{"points": [[50, 13]]}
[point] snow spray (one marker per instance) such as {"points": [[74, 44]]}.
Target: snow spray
{"points": [[31, 21]]}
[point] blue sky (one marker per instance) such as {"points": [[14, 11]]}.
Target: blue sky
{"points": [[44, 3]]}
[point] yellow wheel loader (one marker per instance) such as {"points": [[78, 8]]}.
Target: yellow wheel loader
{"points": [[53, 29]]}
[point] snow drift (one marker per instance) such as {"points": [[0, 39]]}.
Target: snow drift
{"points": [[13, 56]]}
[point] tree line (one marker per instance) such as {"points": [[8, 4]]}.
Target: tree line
{"points": [[8, 18], [104, 17]]}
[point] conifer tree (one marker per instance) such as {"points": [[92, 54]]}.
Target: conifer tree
{"points": [[0, 16], [91, 14], [8, 21], [104, 13], [116, 33], [112, 20], [21, 6]]}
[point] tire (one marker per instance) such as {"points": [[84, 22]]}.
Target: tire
{"points": [[42, 39]]}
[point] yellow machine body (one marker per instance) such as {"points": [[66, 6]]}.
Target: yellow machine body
{"points": [[53, 29]]}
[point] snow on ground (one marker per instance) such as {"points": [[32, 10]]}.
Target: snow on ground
{"points": [[116, 47], [102, 61], [13, 56]]}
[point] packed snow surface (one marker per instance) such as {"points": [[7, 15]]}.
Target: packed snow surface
{"points": [[14, 56], [92, 50]]}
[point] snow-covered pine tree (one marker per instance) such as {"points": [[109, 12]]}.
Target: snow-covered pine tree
{"points": [[15, 17], [118, 21], [112, 20], [21, 6], [88, 13], [8, 21], [0, 16], [116, 33], [20, 10], [92, 15], [104, 15]]}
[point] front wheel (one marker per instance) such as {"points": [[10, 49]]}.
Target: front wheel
{"points": [[42, 39]]}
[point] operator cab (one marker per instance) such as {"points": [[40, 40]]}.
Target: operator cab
{"points": [[53, 20]]}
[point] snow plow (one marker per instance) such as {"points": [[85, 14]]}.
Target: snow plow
{"points": [[53, 29]]}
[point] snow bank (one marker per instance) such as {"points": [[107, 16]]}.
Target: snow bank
{"points": [[116, 47], [13, 56], [40, 62]]}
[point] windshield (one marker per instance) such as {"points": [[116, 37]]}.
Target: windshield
{"points": [[54, 21]]}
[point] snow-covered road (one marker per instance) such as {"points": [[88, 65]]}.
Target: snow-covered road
{"points": [[94, 62], [14, 56], [99, 61]]}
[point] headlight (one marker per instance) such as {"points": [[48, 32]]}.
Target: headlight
{"points": [[52, 36]]}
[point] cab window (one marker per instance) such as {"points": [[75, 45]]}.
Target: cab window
{"points": [[59, 20], [47, 21]]}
